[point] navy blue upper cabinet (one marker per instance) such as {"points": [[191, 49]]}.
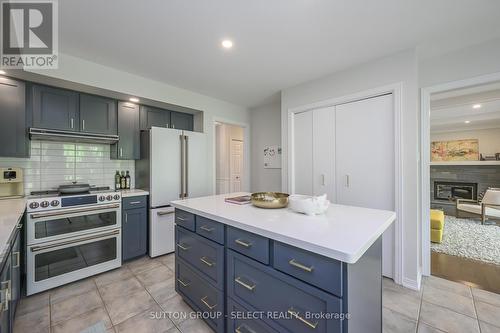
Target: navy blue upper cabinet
{"points": [[98, 114], [54, 108], [182, 121], [13, 135], [151, 116], [128, 148]]}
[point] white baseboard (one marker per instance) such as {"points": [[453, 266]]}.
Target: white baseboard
{"points": [[412, 284]]}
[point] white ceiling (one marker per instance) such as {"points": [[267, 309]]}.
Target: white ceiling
{"points": [[277, 43], [450, 110]]}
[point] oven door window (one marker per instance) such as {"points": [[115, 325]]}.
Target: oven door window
{"points": [[66, 225], [62, 261]]}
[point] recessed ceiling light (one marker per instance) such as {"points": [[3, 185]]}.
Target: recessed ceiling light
{"points": [[476, 106], [227, 44], [2, 72], [467, 121], [134, 99]]}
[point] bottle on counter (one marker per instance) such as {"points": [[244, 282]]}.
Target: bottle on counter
{"points": [[127, 181], [118, 180], [123, 181]]}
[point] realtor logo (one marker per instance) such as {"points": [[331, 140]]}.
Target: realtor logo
{"points": [[29, 34]]}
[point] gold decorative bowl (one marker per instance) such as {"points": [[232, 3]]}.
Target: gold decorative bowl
{"points": [[270, 200]]}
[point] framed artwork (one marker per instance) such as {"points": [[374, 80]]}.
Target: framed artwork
{"points": [[272, 157], [455, 150]]}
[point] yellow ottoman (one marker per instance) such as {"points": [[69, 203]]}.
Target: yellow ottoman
{"points": [[437, 225]]}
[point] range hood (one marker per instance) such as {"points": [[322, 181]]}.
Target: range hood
{"points": [[56, 135]]}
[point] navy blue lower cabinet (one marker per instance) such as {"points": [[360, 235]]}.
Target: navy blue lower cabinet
{"points": [[204, 298], [134, 233], [299, 307], [241, 320], [206, 256]]}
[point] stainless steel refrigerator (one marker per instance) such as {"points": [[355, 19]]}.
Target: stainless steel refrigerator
{"points": [[173, 166]]}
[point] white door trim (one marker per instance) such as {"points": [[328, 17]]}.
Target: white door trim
{"points": [[246, 152], [397, 90], [425, 157]]}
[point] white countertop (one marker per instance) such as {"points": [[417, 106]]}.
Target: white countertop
{"points": [[11, 212], [135, 192], [343, 233]]}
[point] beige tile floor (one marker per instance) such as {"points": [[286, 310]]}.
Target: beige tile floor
{"points": [[124, 300]]}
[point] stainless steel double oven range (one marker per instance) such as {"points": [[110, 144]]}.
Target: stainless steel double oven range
{"points": [[69, 237]]}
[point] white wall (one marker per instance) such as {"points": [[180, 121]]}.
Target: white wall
{"points": [[489, 139], [266, 131], [461, 64], [401, 67], [85, 72]]}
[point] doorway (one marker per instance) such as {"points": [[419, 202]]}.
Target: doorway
{"points": [[461, 182], [229, 158]]}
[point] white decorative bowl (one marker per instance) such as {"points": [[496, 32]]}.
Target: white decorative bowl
{"points": [[308, 205]]}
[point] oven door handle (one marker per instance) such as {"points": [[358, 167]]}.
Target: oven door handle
{"points": [[73, 211], [44, 247]]}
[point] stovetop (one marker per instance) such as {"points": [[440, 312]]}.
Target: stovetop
{"points": [[52, 199]]}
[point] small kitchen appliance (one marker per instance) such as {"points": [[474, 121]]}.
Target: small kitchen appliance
{"points": [[11, 183]]}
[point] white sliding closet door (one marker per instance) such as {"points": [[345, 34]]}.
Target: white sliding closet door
{"points": [[324, 152], [364, 162], [303, 153]]}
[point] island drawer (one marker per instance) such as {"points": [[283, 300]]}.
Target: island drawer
{"points": [[134, 202], [249, 244], [262, 288], [241, 320], [320, 271], [204, 255], [200, 295], [184, 219], [210, 229]]}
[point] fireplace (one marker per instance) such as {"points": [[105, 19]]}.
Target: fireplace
{"points": [[455, 190]]}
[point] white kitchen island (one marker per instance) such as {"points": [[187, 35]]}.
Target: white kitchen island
{"points": [[245, 258]]}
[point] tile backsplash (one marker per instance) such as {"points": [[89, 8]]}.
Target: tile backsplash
{"points": [[54, 163]]}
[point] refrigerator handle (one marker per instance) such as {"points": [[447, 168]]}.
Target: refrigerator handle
{"points": [[186, 171], [181, 195]]}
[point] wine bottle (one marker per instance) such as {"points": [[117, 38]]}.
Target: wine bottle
{"points": [[123, 181], [127, 180], [117, 180]]}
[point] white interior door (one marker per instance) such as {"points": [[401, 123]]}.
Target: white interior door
{"points": [[165, 150], [364, 144], [323, 148], [197, 169], [302, 176], [236, 165]]}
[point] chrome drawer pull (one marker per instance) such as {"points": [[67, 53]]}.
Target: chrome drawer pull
{"points": [[134, 202], [247, 329], [184, 284], [243, 243], [294, 263], [180, 218], [17, 261], [182, 247], [164, 213], [296, 315], [244, 284], [206, 262], [207, 229], [210, 307]]}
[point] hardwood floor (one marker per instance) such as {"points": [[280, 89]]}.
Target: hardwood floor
{"points": [[471, 272]]}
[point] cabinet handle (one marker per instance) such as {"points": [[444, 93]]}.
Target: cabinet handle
{"points": [[17, 261], [83, 124], [180, 218], [121, 152], [166, 125], [244, 284], [182, 247], [347, 181], [134, 202], [126, 217], [72, 123], [247, 329], [294, 263], [206, 262], [296, 315], [207, 229], [323, 181], [243, 243], [184, 284], [204, 300]]}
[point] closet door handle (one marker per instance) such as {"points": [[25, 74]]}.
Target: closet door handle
{"points": [[323, 181], [347, 181]]}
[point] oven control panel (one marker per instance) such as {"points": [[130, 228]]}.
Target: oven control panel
{"points": [[37, 204]]}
